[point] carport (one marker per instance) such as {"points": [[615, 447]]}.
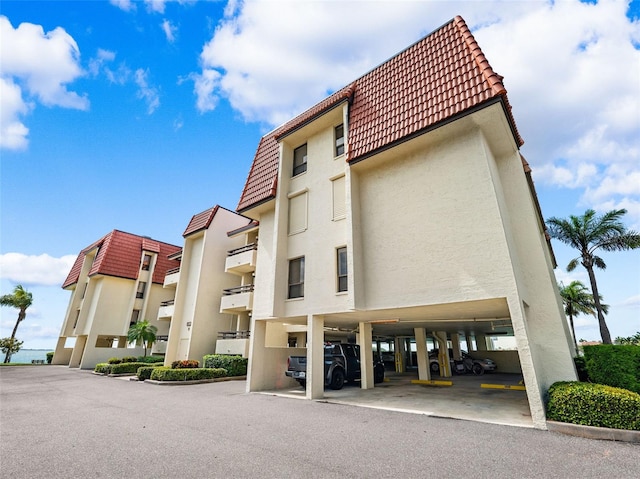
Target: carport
{"points": [[445, 323]]}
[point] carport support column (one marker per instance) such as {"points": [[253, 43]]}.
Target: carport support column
{"points": [[481, 342], [315, 357], [366, 356], [455, 345], [443, 356], [421, 346], [399, 348]]}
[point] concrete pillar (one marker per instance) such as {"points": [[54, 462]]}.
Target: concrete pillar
{"points": [[423, 361], [407, 346], [78, 351], [400, 354], [301, 339], [481, 342], [443, 354], [315, 357], [366, 356], [455, 345], [257, 356]]}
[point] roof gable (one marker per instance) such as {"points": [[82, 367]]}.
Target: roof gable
{"points": [[200, 221], [439, 78], [119, 255]]}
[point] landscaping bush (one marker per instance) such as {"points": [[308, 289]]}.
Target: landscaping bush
{"points": [[171, 374], [581, 368], [151, 359], [126, 368], [235, 365], [49, 357], [129, 359], [614, 365], [103, 368], [594, 405], [144, 372], [114, 360], [185, 364]]}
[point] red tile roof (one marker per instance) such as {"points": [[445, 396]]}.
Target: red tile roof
{"points": [[201, 221], [441, 77], [119, 254]]}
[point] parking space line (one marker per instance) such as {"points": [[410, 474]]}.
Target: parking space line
{"points": [[431, 382]]}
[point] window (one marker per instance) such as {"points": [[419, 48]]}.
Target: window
{"points": [[299, 160], [342, 268], [146, 262], [296, 278], [339, 134], [135, 315], [297, 213], [75, 323], [141, 287], [339, 198]]}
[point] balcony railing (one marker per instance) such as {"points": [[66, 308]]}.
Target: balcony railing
{"points": [[234, 334], [171, 302], [172, 270], [246, 288], [242, 249]]}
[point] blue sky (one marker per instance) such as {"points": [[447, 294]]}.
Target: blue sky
{"points": [[137, 115]]}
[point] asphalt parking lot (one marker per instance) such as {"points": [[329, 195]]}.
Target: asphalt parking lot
{"points": [[57, 422]]}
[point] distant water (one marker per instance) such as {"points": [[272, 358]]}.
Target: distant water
{"points": [[26, 355]]}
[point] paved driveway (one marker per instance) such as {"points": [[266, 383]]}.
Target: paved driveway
{"points": [[62, 423]]}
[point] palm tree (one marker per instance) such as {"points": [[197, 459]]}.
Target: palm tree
{"points": [[142, 333], [20, 299], [578, 300], [588, 233]]}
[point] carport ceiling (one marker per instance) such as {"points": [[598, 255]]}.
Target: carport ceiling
{"points": [[489, 316]]}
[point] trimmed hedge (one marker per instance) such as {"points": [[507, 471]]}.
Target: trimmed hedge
{"points": [[614, 365], [144, 372], [126, 368], [49, 357], [114, 360], [594, 405], [102, 368], [167, 374], [151, 359], [235, 365]]}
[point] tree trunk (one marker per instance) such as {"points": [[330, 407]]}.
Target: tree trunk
{"points": [[21, 316], [604, 330], [573, 332]]}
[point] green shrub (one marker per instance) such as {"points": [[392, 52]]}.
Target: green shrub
{"points": [[144, 372], [185, 364], [614, 365], [594, 405], [103, 368], [126, 368], [49, 357], [114, 360], [235, 365], [129, 359], [581, 368], [169, 374], [151, 359]]}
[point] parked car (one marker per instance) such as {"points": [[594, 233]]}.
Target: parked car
{"points": [[341, 364], [478, 366]]}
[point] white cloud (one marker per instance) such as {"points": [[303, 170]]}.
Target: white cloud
{"points": [[126, 5], [13, 133], [633, 301], [36, 65], [35, 269], [574, 84], [147, 92], [169, 30]]}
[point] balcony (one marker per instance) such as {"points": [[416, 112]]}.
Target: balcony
{"points": [[165, 311], [233, 342], [242, 260], [172, 277], [237, 300], [160, 345]]}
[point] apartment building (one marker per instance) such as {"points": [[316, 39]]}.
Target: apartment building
{"points": [[114, 282], [212, 289], [400, 207]]}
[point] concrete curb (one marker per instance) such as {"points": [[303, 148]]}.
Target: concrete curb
{"points": [[591, 432], [197, 381]]}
